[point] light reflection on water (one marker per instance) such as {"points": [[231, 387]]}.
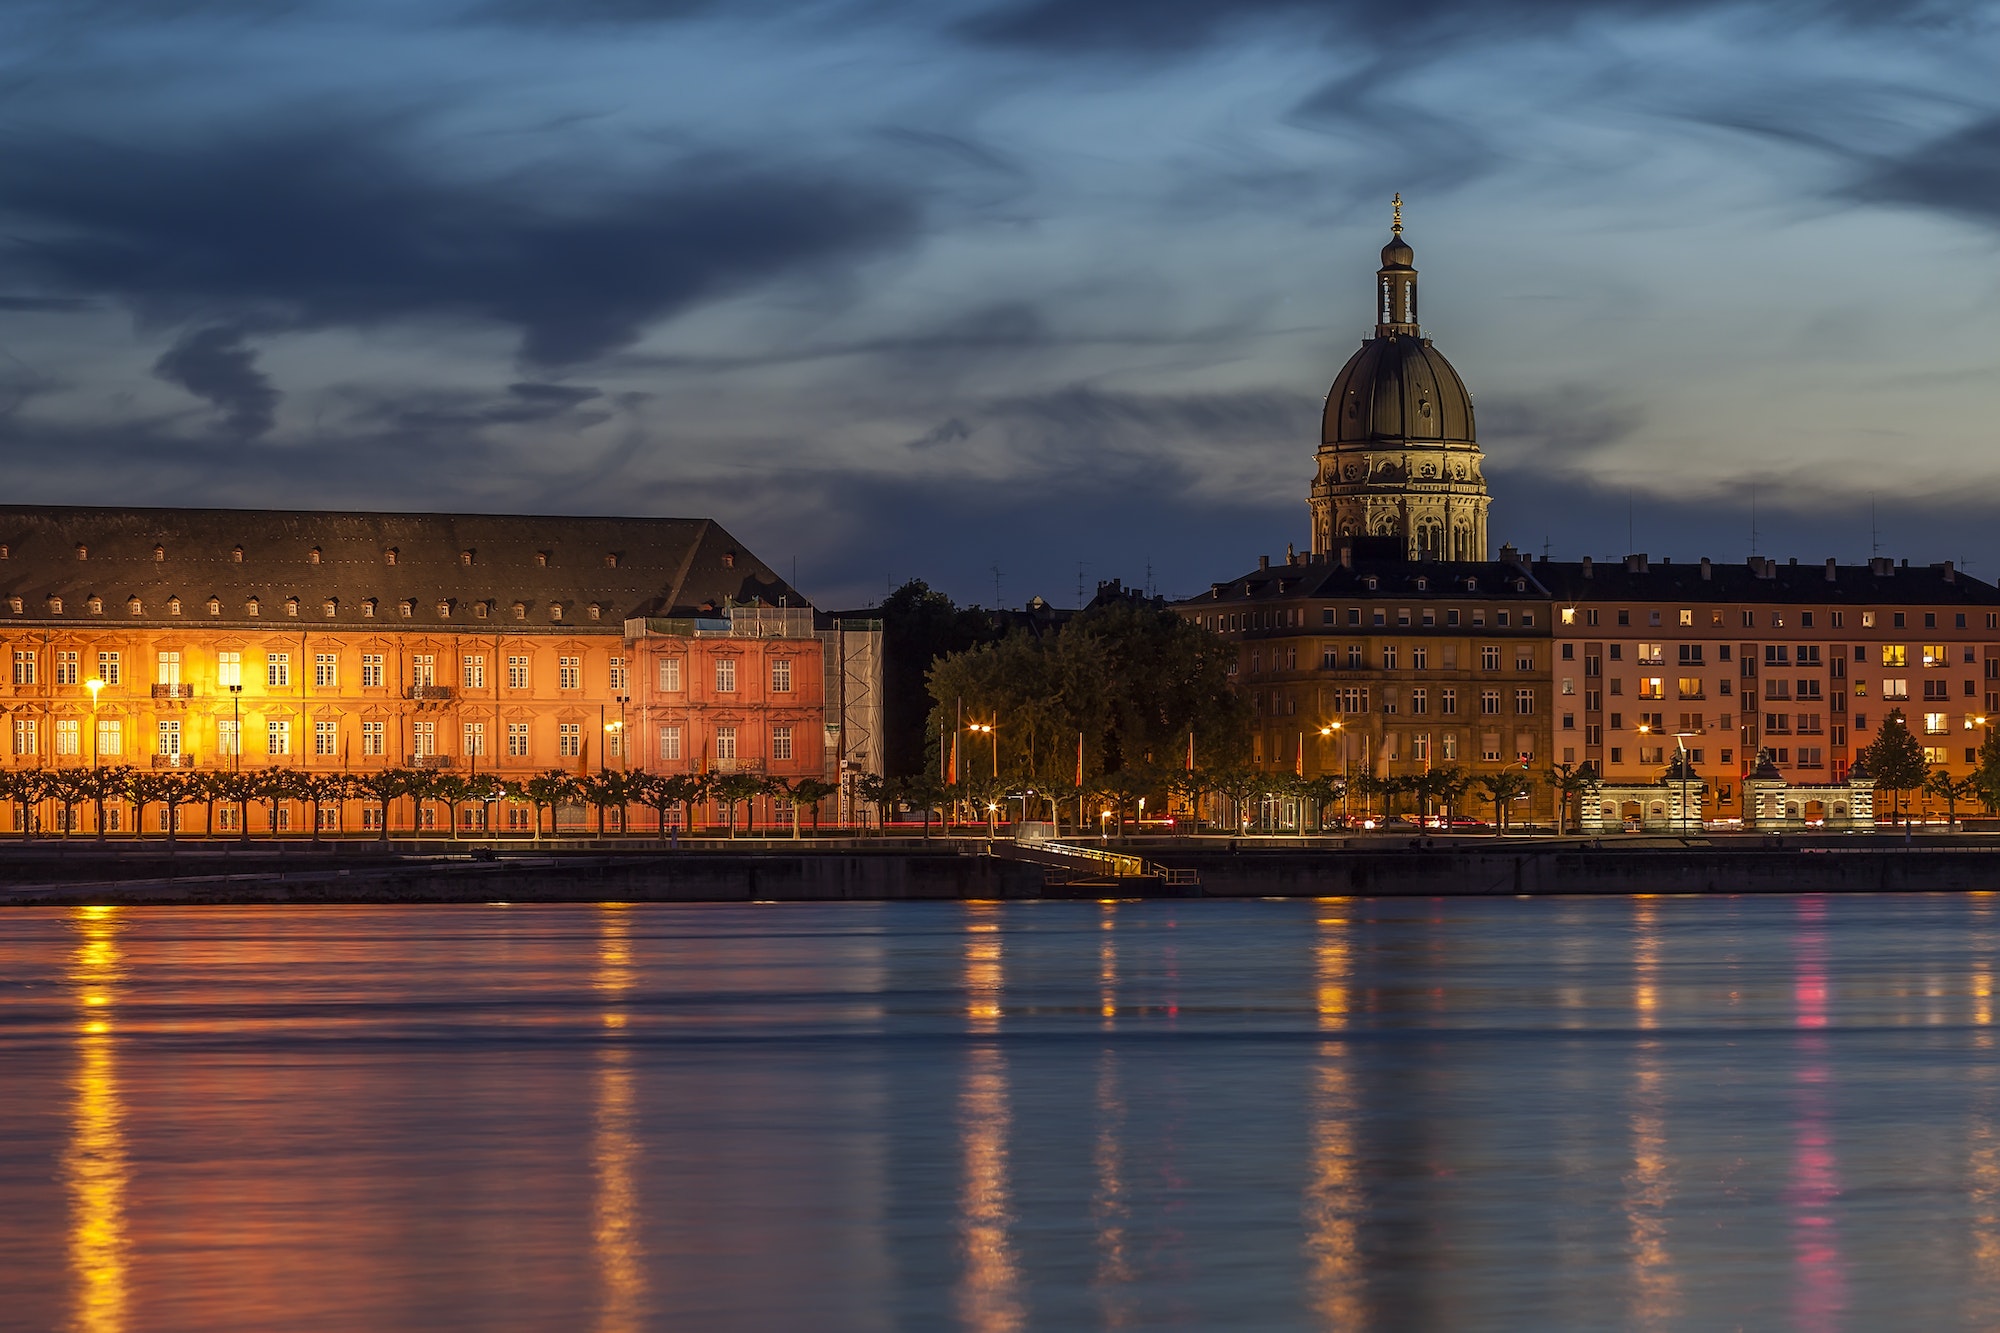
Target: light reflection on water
{"points": [[1646, 1113]]}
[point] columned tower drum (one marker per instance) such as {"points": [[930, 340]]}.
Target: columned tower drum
{"points": [[1398, 455]]}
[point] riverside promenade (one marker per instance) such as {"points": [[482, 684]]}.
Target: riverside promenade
{"points": [[51, 872]]}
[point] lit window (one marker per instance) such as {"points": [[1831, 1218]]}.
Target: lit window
{"points": [[226, 736], [277, 736], [517, 673], [1935, 655], [325, 738], [169, 669], [569, 737], [68, 732], [472, 671], [670, 742], [110, 739], [781, 742], [1934, 724], [277, 670], [371, 671], [725, 742], [569, 673], [326, 670], [517, 740], [725, 675], [670, 674], [781, 675], [373, 736]]}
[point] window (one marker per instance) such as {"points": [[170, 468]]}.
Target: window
{"points": [[569, 739], [618, 674], [1934, 724], [1892, 689], [1687, 617], [1777, 689], [66, 668], [1690, 687], [1568, 615], [517, 673], [326, 670], [474, 738], [1354, 654], [1451, 617], [169, 668], [725, 742], [1524, 659], [1937, 754], [110, 738], [1617, 652], [24, 735], [1448, 701], [517, 740], [373, 737], [1691, 654], [423, 669], [1500, 619], [1938, 689], [1898, 618], [781, 675], [277, 736], [1489, 701], [424, 737], [781, 742], [1652, 754], [1778, 724], [1419, 701], [325, 738], [1652, 687], [24, 674], [569, 673], [670, 742], [1625, 617], [169, 733], [1489, 658], [1777, 654], [227, 737], [277, 670], [1389, 657], [371, 671], [68, 733], [1808, 654], [1524, 701], [1650, 654], [1935, 655], [725, 675], [472, 671]]}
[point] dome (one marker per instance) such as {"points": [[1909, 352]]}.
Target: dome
{"points": [[1397, 387], [1398, 254]]}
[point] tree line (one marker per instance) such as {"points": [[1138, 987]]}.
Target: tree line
{"points": [[74, 788]]}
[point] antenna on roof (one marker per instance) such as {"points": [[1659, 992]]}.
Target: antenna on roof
{"points": [[996, 585], [1631, 542], [1079, 585], [1753, 520], [1874, 542]]}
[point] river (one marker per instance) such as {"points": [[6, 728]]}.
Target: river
{"points": [[1773, 1112]]}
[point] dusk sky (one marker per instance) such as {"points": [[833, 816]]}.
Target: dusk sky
{"points": [[900, 289]]}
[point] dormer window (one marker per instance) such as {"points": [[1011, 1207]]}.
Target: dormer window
{"points": [[55, 606], [729, 559], [159, 553], [368, 609], [520, 610], [555, 610], [236, 555], [541, 557], [135, 607], [14, 605], [96, 606], [1370, 583], [82, 551], [479, 609], [312, 556], [6, 551], [596, 611], [1472, 585], [173, 606], [389, 556], [465, 558], [215, 606], [1423, 585], [409, 608], [444, 610], [292, 607], [329, 608], [251, 606], [611, 559]]}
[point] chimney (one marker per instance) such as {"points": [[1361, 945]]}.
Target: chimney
{"points": [[1291, 554], [1586, 566], [1635, 564], [1347, 555], [1831, 575], [1707, 570], [1263, 562], [1764, 567], [1906, 562], [1509, 556], [1881, 566], [1950, 573], [1795, 562]]}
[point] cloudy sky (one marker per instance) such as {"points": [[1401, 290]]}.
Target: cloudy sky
{"points": [[932, 289]]}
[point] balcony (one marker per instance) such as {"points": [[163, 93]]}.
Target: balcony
{"points": [[431, 694], [431, 761], [172, 760], [174, 691], [736, 766]]}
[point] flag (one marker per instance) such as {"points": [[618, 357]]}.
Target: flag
{"points": [[1299, 764], [952, 778], [1079, 760], [1190, 752]]}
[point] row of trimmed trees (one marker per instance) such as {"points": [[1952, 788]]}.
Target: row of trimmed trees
{"points": [[72, 789]]}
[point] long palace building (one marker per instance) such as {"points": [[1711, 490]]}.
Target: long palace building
{"points": [[514, 645], [1395, 645]]}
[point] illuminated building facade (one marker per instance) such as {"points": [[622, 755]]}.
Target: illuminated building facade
{"points": [[1422, 664], [345, 642]]}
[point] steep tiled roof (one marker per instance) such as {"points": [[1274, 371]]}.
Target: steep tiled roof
{"points": [[447, 566], [1879, 583], [1431, 579]]}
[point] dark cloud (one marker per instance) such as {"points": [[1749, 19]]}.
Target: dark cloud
{"points": [[325, 227], [1958, 173], [214, 363], [45, 304], [1162, 27], [442, 411]]}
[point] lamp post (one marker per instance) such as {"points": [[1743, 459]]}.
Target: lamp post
{"points": [[1681, 765], [1334, 729], [93, 685], [1104, 827], [236, 741], [989, 729]]}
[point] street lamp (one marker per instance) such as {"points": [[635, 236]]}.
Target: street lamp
{"points": [[1334, 729], [1680, 744], [93, 685], [989, 728], [236, 741], [1104, 826]]}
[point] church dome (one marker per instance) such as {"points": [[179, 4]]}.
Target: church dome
{"points": [[1397, 253], [1397, 387]]}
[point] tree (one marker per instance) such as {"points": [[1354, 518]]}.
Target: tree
{"points": [[484, 789], [1568, 782], [606, 789], [1986, 777], [27, 788], [238, 789], [383, 786], [546, 791], [1895, 759], [923, 791], [451, 789], [70, 787], [316, 789], [274, 786], [919, 626], [1951, 791], [103, 784], [733, 789], [810, 792], [1501, 788]]}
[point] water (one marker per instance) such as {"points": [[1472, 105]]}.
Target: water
{"points": [[1758, 1113]]}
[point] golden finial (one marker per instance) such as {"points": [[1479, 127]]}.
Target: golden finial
{"points": [[1397, 225]]}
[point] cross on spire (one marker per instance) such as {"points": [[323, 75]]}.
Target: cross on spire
{"points": [[1397, 225]]}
